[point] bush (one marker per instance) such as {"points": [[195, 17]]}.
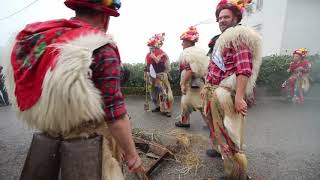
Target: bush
{"points": [[135, 84], [136, 75], [175, 79], [139, 91], [273, 73], [315, 69]]}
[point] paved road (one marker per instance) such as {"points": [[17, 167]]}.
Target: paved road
{"points": [[282, 141]]}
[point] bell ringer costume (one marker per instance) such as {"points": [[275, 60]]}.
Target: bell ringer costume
{"points": [[157, 67], [192, 59], [299, 81], [237, 51], [64, 81]]}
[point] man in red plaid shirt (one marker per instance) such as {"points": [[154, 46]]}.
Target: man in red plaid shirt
{"points": [[235, 58], [236, 61]]}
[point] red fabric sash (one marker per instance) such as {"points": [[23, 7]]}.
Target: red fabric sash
{"points": [[157, 53], [32, 55], [296, 64]]}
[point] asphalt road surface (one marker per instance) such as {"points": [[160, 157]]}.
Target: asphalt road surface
{"points": [[282, 140]]}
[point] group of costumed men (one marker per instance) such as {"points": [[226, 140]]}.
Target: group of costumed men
{"points": [[217, 83], [63, 79]]}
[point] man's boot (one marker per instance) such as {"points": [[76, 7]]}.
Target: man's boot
{"points": [[81, 159], [42, 161]]}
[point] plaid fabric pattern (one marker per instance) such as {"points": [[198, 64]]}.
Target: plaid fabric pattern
{"points": [[185, 66], [235, 61], [303, 66], [106, 71]]}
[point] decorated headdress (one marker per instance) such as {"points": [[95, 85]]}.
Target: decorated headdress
{"points": [[156, 41], [110, 7], [191, 34], [236, 6], [301, 51]]}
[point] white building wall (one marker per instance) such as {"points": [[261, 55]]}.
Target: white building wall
{"points": [[254, 20], [302, 26], [273, 18], [270, 22], [2, 61]]}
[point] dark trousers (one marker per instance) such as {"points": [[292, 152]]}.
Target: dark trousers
{"points": [[4, 100]]}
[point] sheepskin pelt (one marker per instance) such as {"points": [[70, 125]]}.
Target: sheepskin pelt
{"points": [[197, 58], [69, 98], [235, 37]]}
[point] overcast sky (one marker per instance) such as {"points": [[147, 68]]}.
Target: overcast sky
{"points": [[137, 22]]}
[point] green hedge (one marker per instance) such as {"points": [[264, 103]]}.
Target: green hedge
{"points": [[140, 91], [135, 84], [315, 69], [273, 72]]}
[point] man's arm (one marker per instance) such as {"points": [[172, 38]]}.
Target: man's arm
{"points": [[186, 78], [167, 62], [240, 103], [121, 131], [243, 59], [106, 77]]}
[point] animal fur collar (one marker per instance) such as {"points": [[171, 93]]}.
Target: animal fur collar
{"points": [[234, 37]]}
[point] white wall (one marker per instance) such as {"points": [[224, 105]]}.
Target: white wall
{"points": [[1, 56], [253, 20], [302, 26], [273, 17]]}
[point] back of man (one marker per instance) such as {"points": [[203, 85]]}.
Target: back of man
{"points": [[193, 67], [65, 77]]}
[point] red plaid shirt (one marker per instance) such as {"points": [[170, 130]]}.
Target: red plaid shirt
{"points": [[106, 77], [185, 66], [235, 61]]}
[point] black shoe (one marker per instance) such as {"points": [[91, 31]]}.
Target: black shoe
{"points": [[227, 178], [224, 178], [213, 153], [180, 124], [168, 114], [156, 109], [205, 127]]}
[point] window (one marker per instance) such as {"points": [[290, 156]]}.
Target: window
{"points": [[259, 5], [258, 28]]}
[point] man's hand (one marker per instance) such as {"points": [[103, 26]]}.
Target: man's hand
{"points": [[203, 93], [121, 131], [153, 56], [183, 89], [185, 80], [135, 164], [240, 105]]}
